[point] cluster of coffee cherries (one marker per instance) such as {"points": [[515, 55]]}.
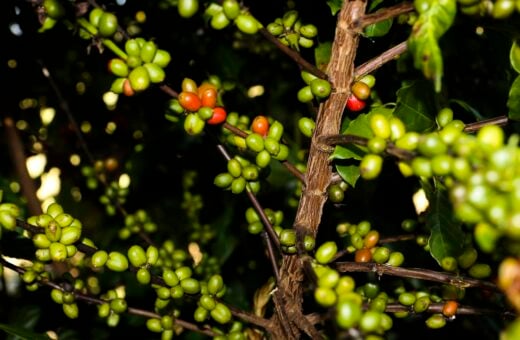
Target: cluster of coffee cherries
{"points": [[499, 9], [385, 130], [105, 23], [115, 304], [94, 173], [315, 88], [171, 256], [339, 291], [200, 104], [263, 141], [65, 294], [290, 31], [144, 65], [363, 241], [54, 10], [59, 232], [241, 173], [9, 212], [135, 223], [221, 15], [360, 93], [286, 236]]}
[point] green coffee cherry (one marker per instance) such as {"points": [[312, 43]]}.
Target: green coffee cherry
{"points": [[107, 24], [247, 23], [117, 262], [190, 285], [370, 166], [320, 88], [215, 284], [221, 313], [326, 252], [348, 313], [136, 256], [187, 8], [306, 126], [143, 276], [436, 321]]}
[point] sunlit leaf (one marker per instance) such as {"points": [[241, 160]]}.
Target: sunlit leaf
{"points": [[416, 106], [447, 237], [322, 54], [349, 173], [513, 103], [335, 6], [423, 42], [379, 29]]}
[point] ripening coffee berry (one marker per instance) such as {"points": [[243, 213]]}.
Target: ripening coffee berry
{"points": [[363, 255], [260, 125], [361, 90], [335, 193], [190, 101], [355, 104], [219, 116], [450, 308]]}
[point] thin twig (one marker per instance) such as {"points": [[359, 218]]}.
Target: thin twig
{"points": [[461, 310], [380, 60], [293, 55], [384, 14], [472, 127], [415, 273], [93, 300]]}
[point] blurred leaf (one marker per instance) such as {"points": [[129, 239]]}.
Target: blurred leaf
{"points": [[322, 54], [513, 103], [468, 108], [514, 56], [22, 333], [423, 42], [416, 106], [262, 297], [335, 6], [447, 237], [349, 173], [379, 29]]}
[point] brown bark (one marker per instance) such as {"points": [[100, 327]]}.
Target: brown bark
{"points": [[319, 172]]}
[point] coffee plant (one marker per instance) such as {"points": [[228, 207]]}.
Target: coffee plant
{"points": [[260, 169]]}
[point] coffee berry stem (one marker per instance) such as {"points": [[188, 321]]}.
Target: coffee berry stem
{"points": [[107, 42]]}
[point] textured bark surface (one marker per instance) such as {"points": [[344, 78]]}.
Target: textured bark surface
{"points": [[319, 172]]}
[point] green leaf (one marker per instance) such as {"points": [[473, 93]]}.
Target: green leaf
{"points": [[468, 108], [349, 173], [22, 333], [513, 103], [416, 106], [447, 237], [322, 53], [514, 56], [379, 29], [335, 6], [423, 42]]}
